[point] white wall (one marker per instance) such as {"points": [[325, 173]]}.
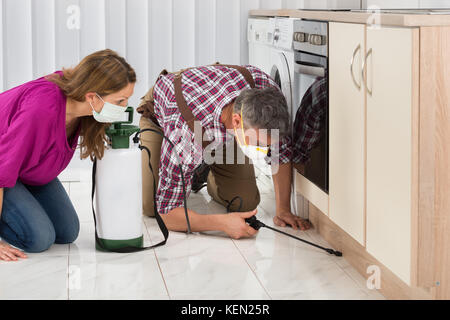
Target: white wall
{"points": [[40, 36]]}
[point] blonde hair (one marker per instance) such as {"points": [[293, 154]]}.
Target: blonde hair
{"points": [[103, 72]]}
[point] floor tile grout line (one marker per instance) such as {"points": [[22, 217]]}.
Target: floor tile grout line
{"points": [[338, 265], [253, 271], [350, 276], [157, 260], [162, 274], [146, 230], [353, 279], [310, 238], [68, 275]]}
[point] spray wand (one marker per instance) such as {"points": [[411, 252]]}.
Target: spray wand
{"points": [[256, 224]]}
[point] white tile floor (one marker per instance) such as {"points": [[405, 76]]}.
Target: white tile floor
{"points": [[197, 266]]}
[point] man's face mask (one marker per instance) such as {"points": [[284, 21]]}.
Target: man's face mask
{"points": [[253, 152], [109, 113]]}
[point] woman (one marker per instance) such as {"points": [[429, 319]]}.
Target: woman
{"points": [[40, 123]]}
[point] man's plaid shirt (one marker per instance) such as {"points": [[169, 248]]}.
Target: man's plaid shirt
{"points": [[207, 90], [310, 121]]}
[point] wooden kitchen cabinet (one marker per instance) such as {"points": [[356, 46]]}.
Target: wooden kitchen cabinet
{"points": [[347, 128], [372, 138], [391, 128], [407, 158]]}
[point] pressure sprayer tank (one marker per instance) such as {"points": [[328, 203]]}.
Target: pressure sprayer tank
{"points": [[119, 189]]}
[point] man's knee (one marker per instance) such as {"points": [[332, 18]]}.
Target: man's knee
{"points": [[246, 200], [249, 202]]}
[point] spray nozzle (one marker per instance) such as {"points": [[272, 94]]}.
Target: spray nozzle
{"points": [[336, 253], [254, 223]]}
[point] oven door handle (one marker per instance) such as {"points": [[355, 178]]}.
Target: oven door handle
{"points": [[310, 69]]}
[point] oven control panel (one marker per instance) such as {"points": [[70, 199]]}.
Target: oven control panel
{"points": [[311, 36]]}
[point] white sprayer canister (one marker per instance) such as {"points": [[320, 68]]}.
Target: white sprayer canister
{"points": [[119, 194]]}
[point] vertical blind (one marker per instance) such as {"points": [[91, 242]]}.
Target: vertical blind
{"points": [[41, 36]]}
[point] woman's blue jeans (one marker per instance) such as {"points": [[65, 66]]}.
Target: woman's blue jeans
{"points": [[35, 217]]}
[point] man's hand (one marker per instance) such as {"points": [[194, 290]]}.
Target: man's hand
{"points": [[282, 186], [236, 227], [9, 253], [285, 217]]}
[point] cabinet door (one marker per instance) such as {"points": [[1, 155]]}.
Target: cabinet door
{"points": [[389, 147], [347, 128]]}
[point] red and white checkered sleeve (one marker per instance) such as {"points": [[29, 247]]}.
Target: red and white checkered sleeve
{"points": [[281, 153], [285, 150], [170, 189], [262, 79]]}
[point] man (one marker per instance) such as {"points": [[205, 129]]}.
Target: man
{"points": [[222, 99]]}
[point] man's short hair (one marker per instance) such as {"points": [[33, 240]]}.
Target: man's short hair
{"points": [[264, 109]]}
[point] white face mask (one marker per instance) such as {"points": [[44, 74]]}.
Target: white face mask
{"points": [[110, 112], [255, 153]]}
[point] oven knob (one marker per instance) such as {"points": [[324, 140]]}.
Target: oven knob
{"points": [[300, 37], [317, 40]]}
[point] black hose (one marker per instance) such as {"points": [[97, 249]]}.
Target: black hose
{"points": [[256, 224], [136, 140]]}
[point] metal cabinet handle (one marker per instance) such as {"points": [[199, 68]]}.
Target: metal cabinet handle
{"points": [[364, 71], [358, 85]]}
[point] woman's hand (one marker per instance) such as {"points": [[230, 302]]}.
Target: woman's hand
{"points": [[285, 217], [9, 253], [236, 227]]}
